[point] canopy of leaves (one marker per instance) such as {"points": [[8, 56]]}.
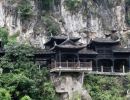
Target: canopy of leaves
{"points": [[21, 76], [4, 94], [73, 5], [25, 9], [107, 87], [26, 98]]}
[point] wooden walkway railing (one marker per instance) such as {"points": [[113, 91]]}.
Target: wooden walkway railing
{"points": [[71, 64]]}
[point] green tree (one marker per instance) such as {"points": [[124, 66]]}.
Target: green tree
{"points": [[73, 5], [4, 94], [105, 87], [26, 98], [25, 9], [21, 75]]}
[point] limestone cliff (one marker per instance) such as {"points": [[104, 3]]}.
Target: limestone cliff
{"points": [[70, 86], [84, 18], [35, 20]]}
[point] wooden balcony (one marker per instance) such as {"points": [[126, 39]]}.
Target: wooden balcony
{"points": [[103, 70], [71, 66]]}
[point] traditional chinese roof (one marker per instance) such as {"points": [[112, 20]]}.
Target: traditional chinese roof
{"points": [[60, 38], [69, 44], [87, 52], [105, 40], [121, 50]]}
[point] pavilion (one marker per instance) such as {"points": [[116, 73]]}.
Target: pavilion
{"points": [[101, 56]]}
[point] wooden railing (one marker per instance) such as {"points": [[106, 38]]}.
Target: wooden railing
{"points": [[71, 64], [121, 69]]}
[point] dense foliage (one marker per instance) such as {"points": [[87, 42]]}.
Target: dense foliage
{"points": [[4, 35], [22, 79], [47, 4], [25, 9], [52, 27], [73, 5], [127, 17], [107, 87]]}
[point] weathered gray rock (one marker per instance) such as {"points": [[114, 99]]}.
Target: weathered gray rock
{"points": [[70, 86], [93, 19]]}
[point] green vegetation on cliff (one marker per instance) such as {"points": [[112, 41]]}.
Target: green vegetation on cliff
{"points": [[25, 9], [21, 79], [107, 87]]}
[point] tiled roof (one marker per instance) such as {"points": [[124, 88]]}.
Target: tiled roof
{"points": [[105, 40]]}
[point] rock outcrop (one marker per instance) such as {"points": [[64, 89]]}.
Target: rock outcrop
{"points": [[69, 86], [94, 18]]}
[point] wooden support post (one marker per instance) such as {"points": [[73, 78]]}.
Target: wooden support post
{"points": [[96, 65], [78, 64], [67, 64], [129, 63], [55, 64], [112, 69], [123, 69], [60, 58], [101, 68]]}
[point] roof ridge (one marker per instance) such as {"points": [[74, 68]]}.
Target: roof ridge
{"points": [[68, 40]]}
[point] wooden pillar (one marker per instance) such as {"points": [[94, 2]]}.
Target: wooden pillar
{"points": [[129, 63], [79, 64], [55, 60], [112, 67], [78, 60], [101, 68], [123, 69], [67, 64], [55, 64], [60, 58], [96, 65]]}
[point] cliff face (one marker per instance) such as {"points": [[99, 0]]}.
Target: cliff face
{"points": [[36, 20], [84, 18]]}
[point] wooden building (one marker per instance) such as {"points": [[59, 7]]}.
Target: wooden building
{"points": [[100, 56]]}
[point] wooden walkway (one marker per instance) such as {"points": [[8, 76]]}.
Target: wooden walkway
{"points": [[71, 69], [108, 73], [86, 70]]}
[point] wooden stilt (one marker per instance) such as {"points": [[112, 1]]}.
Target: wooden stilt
{"points": [[112, 69], [101, 68], [123, 69]]}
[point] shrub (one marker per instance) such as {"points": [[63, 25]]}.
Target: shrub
{"points": [[26, 98], [25, 9], [13, 38], [105, 87], [4, 94], [127, 17], [24, 77], [4, 35], [47, 4], [51, 25], [73, 5]]}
